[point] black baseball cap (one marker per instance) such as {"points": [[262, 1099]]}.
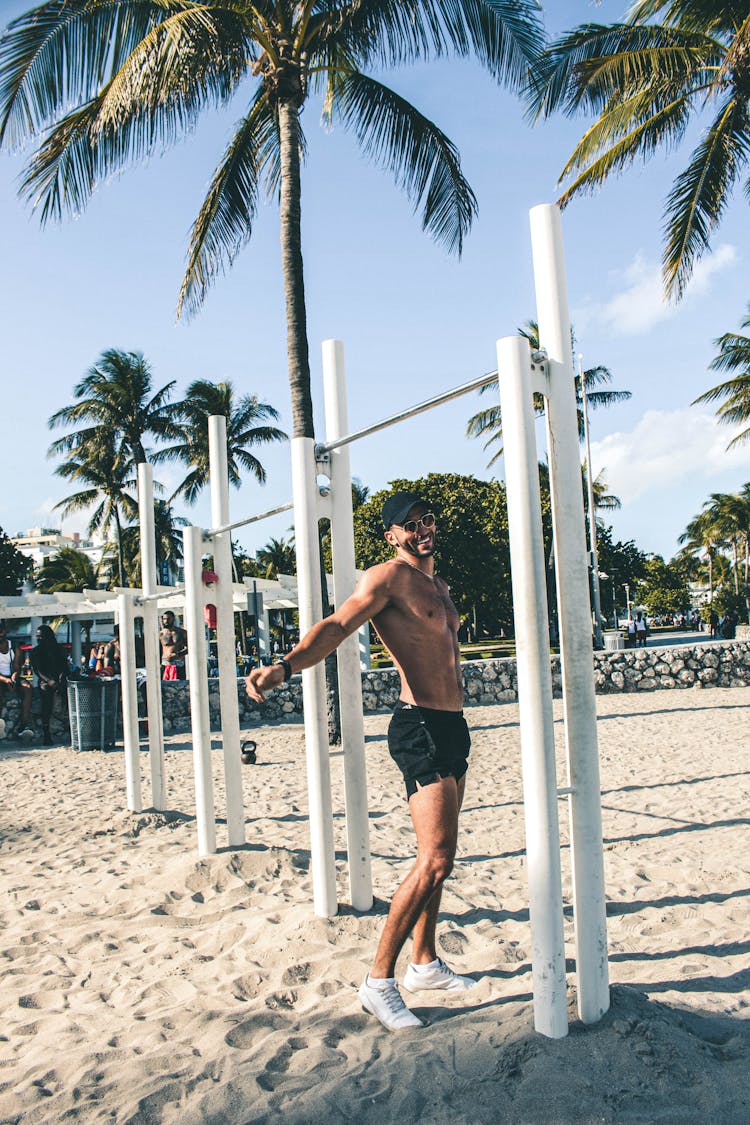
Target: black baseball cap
{"points": [[398, 506]]}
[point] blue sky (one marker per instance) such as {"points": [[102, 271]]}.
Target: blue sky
{"points": [[413, 320]]}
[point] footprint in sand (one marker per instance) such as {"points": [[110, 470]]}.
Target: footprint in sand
{"points": [[284, 999], [247, 987], [279, 1063], [297, 974], [246, 1034], [454, 942]]}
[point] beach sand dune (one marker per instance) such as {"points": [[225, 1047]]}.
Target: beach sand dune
{"points": [[141, 984]]}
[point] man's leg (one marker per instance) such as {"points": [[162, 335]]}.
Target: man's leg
{"points": [[434, 812], [423, 931], [25, 693]]}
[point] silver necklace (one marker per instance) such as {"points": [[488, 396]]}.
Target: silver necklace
{"points": [[430, 577]]}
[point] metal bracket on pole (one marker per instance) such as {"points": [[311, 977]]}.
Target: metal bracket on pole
{"points": [[539, 372]]}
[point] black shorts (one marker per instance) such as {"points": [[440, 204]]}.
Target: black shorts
{"points": [[426, 744]]}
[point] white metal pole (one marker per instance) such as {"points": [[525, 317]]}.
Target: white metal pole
{"points": [[305, 495], [534, 686], [225, 643], [594, 557], [151, 634], [349, 673], [125, 620], [75, 644], [264, 636], [576, 652], [192, 538], [365, 655]]}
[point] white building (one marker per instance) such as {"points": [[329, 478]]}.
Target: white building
{"points": [[41, 543]]}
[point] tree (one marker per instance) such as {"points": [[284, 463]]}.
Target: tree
{"points": [[245, 430], [472, 552], [703, 538], [645, 81], [663, 588], [623, 563], [488, 423], [168, 542], [69, 570], [97, 85], [117, 404], [277, 557], [603, 500], [14, 567], [106, 479], [734, 355]]}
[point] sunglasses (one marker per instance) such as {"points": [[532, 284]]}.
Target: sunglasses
{"points": [[427, 520]]}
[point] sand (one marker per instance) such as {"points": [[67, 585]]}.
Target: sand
{"points": [[141, 984]]}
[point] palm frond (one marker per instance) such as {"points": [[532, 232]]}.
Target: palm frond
{"points": [[505, 35], [590, 66], [224, 223], [424, 161], [60, 53], [182, 63], [700, 193], [668, 124]]}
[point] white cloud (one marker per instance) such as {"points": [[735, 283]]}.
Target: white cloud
{"points": [[664, 449], [45, 516], [639, 304]]}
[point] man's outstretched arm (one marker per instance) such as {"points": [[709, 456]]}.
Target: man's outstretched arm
{"points": [[369, 598]]}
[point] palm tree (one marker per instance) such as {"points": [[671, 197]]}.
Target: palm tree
{"points": [[117, 404], [245, 429], [703, 538], [603, 500], [646, 81], [734, 355], [69, 570], [731, 516], [488, 423], [168, 542], [277, 557], [106, 478], [97, 85]]}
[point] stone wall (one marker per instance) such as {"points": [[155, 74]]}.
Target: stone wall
{"points": [[707, 664]]}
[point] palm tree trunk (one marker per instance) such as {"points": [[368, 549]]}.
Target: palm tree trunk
{"points": [[291, 263], [120, 551], [296, 338]]}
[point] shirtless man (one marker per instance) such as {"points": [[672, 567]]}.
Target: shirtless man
{"points": [[173, 641], [411, 609]]}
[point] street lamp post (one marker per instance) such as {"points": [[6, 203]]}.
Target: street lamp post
{"points": [[626, 588], [594, 562]]}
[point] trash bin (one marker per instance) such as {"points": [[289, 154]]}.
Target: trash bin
{"points": [[613, 641], [92, 708]]}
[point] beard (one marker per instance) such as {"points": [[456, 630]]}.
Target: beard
{"points": [[413, 549]]}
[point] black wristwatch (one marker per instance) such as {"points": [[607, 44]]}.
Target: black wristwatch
{"points": [[287, 668]]}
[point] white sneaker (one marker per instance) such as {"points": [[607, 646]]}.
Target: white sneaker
{"points": [[386, 1004], [437, 976], [26, 734]]}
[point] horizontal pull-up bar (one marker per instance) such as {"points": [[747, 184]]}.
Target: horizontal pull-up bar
{"points": [[538, 355], [243, 523], [410, 412], [158, 597]]}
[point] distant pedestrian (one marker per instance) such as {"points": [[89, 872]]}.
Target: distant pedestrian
{"points": [[641, 629], [50, 664], [12, 682]]}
